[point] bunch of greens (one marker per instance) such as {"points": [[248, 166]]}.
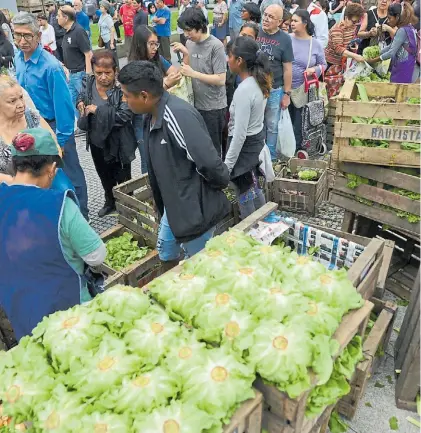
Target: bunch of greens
{"points": [[371, 52], [337, 386], [374, 78], [415, 147], [308, 175], [123, 251]]}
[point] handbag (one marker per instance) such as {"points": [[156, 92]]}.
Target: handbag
{"points": [[299, 96], [183, 90], [100, 42]]}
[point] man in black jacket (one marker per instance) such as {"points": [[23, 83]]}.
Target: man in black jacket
{"points": [[185, 172]]}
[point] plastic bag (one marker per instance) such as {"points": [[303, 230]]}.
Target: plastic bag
{"points": [[357, 69], [183, 90], [286, 139]]}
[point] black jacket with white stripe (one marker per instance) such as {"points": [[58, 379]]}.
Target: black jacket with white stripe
{"points": [[185, 172]]}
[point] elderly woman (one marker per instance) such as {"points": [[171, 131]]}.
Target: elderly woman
{"points": [[17, 112], [108, 122], [106, 26], [220, 21], [45, 239], [338, 48]]}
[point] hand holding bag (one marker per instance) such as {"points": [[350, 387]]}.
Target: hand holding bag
{"points": [[286, 144]]}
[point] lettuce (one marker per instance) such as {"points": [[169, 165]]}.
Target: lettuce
{"points": [[234, 243], [124, 303], [219, 383], [282, 355], [104, 423], [180, 293], [61, 332], [142, 392], [97, 371], [152, 335], [176, 418]]}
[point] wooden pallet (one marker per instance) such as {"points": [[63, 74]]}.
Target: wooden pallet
{"points": [[407, 354], [291, 412], [330, 122], [378, 337], [400, 111], [135, 206], [132, 274], [370, 200], [313, 192], [248, 417]]}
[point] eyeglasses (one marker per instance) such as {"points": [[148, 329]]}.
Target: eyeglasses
{"points": [[271, 17], [154, 44], [27, 36]]}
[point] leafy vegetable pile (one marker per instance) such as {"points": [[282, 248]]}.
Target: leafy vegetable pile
{"points": [[124, 251], [371, 52], [119, 365], [308, 175], [274, 308]]}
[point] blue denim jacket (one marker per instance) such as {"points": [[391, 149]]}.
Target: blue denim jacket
{"points": [[235, 21]]}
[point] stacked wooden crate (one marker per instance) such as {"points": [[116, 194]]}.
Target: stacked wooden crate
{"points": [[370, 180], [33, 6]]}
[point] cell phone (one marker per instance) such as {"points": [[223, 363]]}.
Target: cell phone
{"points": [[180, 59]]}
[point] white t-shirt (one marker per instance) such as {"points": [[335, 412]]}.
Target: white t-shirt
{"points": [[47, 36]]}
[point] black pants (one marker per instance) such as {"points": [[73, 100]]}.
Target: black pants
{"points": [[215, 122], [297, 120], [110, 173], [164, 47], [117, 29], [107, 46]]}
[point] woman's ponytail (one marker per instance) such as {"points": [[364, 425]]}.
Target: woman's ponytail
{"points": [[255, 61]]}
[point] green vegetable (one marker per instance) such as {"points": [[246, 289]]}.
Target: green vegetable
{"points": [[336, 424], [368, 404], [123, 251], [308, 175], [371, 52], [354, 180], [362, 92], [393, 423], [413, 421], [378, 385], [416, 147], [389, 379]]}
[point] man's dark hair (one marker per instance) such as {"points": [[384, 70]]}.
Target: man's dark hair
{"points": [[254, 12], [192, 19], [104, 56], [33, 164], [142, 76], [69, 12]]}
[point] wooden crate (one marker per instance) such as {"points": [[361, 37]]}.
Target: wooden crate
{"points": [[248, 417], [135, 206], [132, 274], [314, 192], [273, 424], [400, 111], [407, 354], [405, 263], [378, 337], [330, 122], [375, 196], [291, 412]]}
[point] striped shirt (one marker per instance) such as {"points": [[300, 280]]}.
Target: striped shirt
{"points": [[339, 39]]}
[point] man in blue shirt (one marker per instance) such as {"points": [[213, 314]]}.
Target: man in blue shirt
{"points": [[234, 18], [81, 18], [162, 22], [42, 76]]}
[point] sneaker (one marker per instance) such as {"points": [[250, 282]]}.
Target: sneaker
{"points": [[107, 209]]}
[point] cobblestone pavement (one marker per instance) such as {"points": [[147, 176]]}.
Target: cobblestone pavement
{"points": [[95, 191]]}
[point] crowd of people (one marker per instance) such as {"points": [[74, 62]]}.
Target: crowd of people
{"points": [[245, 68]]}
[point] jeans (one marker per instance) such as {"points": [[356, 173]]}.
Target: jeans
{"points": [[272, 116], [169, 249], [75, 86], [138, 132], [74, 171]]}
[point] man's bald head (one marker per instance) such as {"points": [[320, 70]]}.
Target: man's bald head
{"points": [[272, 18]]}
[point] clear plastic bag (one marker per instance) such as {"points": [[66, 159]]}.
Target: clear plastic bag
{"points": [[286, 139]]}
